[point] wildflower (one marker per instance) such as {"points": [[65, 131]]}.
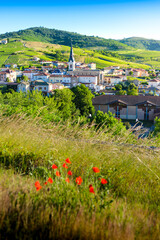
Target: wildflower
{"points": [[38, 188], [104, 181], [68, 160], [79, 180], [45, 183], [91, 189], [54, 166], [37, 184], [65, 165], [58, 174], [69, 173], [50, 180], [96, 170], [67, 180]]}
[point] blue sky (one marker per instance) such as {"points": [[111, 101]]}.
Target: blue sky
{"points": [[110, 19]]}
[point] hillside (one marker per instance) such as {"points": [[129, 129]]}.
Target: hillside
{"points": [[22, 52], [41, 34], [142, 43]]}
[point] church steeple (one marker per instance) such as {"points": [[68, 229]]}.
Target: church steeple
{"points": [[71, 62]]}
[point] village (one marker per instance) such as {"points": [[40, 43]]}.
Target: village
{"points": [[108, 83]]}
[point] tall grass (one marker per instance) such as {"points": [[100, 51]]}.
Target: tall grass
{"points": [[126, 208]]}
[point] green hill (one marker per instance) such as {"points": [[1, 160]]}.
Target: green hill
{"points": [[52, 44], [22, 52], [41, 34], [142, 43]]}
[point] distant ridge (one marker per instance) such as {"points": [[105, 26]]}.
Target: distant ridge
{"points": [[142, 43], [54, 36]]}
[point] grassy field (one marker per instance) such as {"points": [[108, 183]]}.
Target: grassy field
{"points": [[21, 52], [126, 207], [151, 58]]}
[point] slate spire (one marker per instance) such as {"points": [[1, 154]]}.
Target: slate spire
{"points": [[71, 58]]}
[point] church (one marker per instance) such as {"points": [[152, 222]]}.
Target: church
{"points": [[89, 76]]}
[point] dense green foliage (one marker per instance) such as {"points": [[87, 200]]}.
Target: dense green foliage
{"points": [[127, 88], [42, 34], [83, 100], [142, 43], [104, 119], [64, 105]]}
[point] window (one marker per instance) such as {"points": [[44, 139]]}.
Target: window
{"points": [[118, 112], [146, 114], [40, 88], [44, 88]]}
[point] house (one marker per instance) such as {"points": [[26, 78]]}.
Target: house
{"points": [[8, 75], [57, 86], [58, 64], [8, 65], [23, 87], [36, 59], [5, 41], [30, 74], [57, 71], [116, 79], [47, 68], [85, 72], [85, 79], [108, 92], [99, 88], [108, 70], [56, 78], [128, 107], [154, 83], [46, 62], [149, 91], [41, 76], [92, 65], [43, 86]]}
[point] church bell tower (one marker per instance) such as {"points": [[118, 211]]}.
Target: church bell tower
{"points": [[71, 62]]}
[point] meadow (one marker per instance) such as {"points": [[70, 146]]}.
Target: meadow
{"points": [[62, 176], [126, 206], [22, 52]]}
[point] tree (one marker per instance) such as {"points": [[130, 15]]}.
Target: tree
{"points": [[25, 78], [18, 80], [131, 73], [108, 119], [8, 80], [121, 92], [118, 87], [83, 100], [132, 89], [64, 102], [157, 126]]}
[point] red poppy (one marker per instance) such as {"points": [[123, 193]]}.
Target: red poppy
{"points": [[69, 173], [54, 166], [65, 165], [37, 184], [38, 188], [68, 160], [91, 189], [58, 174], [79, 180], [45, 183], [96, 169], [104, 181], [67, 180], [50, 180]]}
